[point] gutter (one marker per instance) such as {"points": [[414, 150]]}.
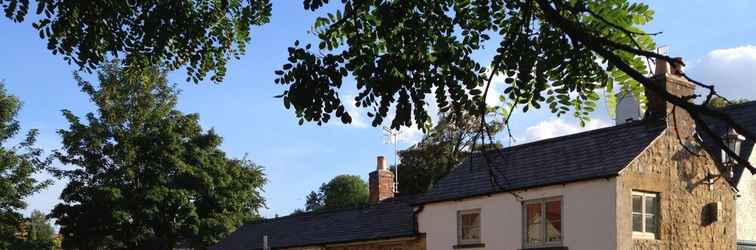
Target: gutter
{"points": [[348, 242], [606, 176]]}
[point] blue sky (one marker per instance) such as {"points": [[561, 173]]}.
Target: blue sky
{"points": [[714, 37]]}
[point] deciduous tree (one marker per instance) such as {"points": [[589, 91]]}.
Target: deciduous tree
{"points": [[18, 164], [143, 175], [38, 233], [443, 147], [343, 191]]}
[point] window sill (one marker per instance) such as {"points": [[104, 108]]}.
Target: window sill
{"points": [[545, 248], [475, 245], [644, 236]]}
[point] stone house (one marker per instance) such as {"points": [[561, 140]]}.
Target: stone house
{"points": [[651, 183]]}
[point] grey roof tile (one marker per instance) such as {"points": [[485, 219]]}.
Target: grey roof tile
{"points": [[745, 115], [388, 219], [588, 155]]}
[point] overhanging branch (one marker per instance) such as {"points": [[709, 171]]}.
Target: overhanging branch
{"points": [[599, 46]]}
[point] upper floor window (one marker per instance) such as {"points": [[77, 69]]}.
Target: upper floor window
{"points": [[468, 227], [543, 222], [645, 215]]}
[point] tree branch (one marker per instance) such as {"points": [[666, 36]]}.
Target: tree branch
{"points": [[597, 44]]}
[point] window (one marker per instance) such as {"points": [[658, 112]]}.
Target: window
{"points": [[543, 222], [468, 227], [645, 215]]}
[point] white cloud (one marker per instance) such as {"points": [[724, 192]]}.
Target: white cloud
{"points": [[359, 118], [409, 136], [558, 127], [406, 135], [495, 90], [497, 83], [732, 71]]}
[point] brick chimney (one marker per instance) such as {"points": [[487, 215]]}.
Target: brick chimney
{"points": [[668, 76], [381, 182]]}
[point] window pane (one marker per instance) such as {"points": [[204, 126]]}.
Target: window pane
{"points": [[554, 221], [534, 219], [637, 204], [651, 205], [554, 231], [470, 226], [637, 222], [651, 224]]}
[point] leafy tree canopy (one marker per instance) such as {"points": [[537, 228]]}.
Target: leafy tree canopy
{"points": [[314, 201], [441, 149], [201, 35], [553, 54], [343, 191], [18, 164], [145, 175], [404, 53], [39, 227], [37, 233]]}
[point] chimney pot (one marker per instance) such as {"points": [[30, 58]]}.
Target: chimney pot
{"points": [[663, 67], [380, 163]]}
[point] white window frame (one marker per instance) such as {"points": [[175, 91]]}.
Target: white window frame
{"points": [[645, 234], [544, 224], [461, 241]]}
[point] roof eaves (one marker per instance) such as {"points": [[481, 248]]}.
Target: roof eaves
{"points": [[515, 190]]}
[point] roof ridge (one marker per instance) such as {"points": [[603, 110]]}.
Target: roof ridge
{"points": [[308, 213], [738, 105], [400, 199], [570, 136]]}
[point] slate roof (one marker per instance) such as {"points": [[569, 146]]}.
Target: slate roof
{"points": [[745, 115], [388, 219], [589, 155]]}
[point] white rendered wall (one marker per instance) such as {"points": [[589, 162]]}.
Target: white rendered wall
{"points": [[746, 204], [588, 219]]}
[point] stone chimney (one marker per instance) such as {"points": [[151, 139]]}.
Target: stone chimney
{"points": [[668, 76], [381, 182]]}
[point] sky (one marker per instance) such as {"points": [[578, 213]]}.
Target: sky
{"points": [[717, 40]]}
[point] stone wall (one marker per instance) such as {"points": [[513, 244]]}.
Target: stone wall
{"points": [[410, 243], [746, 204], [684, 193]]}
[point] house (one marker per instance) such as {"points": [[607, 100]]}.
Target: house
{"points": [[388, 222], [643, 184]]}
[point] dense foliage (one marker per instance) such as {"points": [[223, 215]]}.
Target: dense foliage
{"points": [[555, 54], [18, 164], [404, 53], [343, 191], [201, 35], [146, 176], [36, 234]]}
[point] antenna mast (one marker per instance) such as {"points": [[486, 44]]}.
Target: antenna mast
{"points": [[391, 136]]}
